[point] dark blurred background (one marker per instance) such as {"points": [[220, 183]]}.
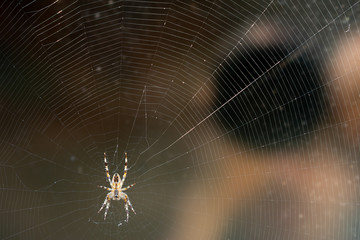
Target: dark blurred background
{"points": [[240, 118]]}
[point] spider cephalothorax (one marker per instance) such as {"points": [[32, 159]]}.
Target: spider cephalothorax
{"points": [[116, 190]]}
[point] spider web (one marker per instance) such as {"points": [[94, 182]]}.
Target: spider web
{"points": [[240, 118]]}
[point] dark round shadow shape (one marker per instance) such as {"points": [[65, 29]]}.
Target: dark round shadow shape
{"points": [[280, 99]]}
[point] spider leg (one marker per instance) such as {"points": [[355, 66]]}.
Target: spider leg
{"points": [[107, 208], [106, 188], [126, 210], [125, 169], [107, 203], [128, 187], [107, 169], [102, 206], [131, 206], [127, 202]]}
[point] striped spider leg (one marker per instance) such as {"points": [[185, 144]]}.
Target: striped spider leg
{"points": [[116, 190]]}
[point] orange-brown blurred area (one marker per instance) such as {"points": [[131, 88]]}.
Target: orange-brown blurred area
{"points": [[240, 119]]}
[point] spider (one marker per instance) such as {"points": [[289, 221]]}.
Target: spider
{"points": [[116, 190]]}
